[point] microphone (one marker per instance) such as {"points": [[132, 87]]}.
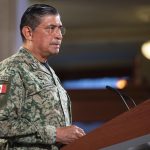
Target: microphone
{"points": [[125, 98]]}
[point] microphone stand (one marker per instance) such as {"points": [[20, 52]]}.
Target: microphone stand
{"points": [[124, 97]]}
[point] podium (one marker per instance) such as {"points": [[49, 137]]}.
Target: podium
{"points": [[130, 125]]}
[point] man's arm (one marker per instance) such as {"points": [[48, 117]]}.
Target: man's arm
{"points": [[12, 121], [14, 124]]}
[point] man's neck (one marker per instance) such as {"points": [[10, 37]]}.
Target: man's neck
{"points": [[35, 54]]}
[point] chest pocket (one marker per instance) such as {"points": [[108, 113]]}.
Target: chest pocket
{"points": [[37, 82], [41, 101], [44, 93]]}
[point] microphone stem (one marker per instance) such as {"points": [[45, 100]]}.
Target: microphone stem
{"points": [[123, 96]]}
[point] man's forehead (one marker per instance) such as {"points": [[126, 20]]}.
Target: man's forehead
{"points": [[51, 19]]}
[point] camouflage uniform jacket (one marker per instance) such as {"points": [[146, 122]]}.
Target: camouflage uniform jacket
{"points": [[32, 101]]}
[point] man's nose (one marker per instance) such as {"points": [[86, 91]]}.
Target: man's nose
{"points": [[58, 33]]}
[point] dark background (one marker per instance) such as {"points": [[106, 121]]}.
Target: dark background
{"points": [[103, 39]]}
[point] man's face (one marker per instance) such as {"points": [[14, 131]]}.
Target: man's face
{"points": [[47, 36]]}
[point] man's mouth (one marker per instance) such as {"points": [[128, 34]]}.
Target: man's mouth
{"points": [[57, 45]]}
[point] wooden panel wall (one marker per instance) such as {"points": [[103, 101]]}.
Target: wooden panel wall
{"points": [[103, 105]]}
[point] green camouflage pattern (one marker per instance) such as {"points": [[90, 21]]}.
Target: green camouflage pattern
{"points": [[34, 103]]}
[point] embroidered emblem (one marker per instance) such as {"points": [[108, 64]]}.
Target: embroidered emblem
{"points": [[3, 88]]}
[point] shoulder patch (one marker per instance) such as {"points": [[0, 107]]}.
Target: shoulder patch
{"points": [[3, 88], [3, 84]]}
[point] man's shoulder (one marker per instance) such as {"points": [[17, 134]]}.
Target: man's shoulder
{"points": [[12, 58], [12, 62]]}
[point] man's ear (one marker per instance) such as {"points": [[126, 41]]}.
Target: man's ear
{"points": [[27, 32]]}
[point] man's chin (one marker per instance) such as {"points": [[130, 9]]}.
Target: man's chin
{"points": [[55, 52]]}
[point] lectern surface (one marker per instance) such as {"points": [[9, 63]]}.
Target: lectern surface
{"points": [[130, 125], [140, 143]]}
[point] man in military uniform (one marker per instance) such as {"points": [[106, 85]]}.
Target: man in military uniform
{"points": [[35, 110]]}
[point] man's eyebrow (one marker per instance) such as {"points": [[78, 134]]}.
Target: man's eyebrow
{"points": [[54, 25]]}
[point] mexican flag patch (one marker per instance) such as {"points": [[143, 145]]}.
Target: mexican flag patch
{"points": [[3, 88]]}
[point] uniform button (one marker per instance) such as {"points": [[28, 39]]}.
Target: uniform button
{"points": [[34, 66], [40, 76]]}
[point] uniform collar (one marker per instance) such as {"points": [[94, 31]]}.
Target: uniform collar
{"points": [[32, 61]]}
